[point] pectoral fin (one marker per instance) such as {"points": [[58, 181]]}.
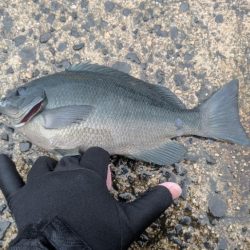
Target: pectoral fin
{"points": [[64, 116], [165, 154]]}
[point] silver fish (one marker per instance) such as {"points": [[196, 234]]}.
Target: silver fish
{"points": [[91, 105]]}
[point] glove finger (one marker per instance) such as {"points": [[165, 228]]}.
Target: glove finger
{"points": [[10, 180], [96, 159], [42, 166], [68, 163], [146, 209]]}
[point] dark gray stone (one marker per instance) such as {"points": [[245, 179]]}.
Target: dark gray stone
{"points": [[10, 70], [184, 7], [160, 76], [7, 23], [159, 32], [179, 79], [74, 32], [63, 64], [3, 56], [188, 56], [222, 244], [85, 4], [209, 159], [133, 57], [55, 6], [178, 229], [28, 54], [19, 40], [176, 241], [125, 197], [25, 146], [78, 46], [62, 46], [4, 224], [219, 18], [44, 38], [4, 136], [144, 66], [51, 18], [62, 19], [35, 73], [126, 12], [122, 66], [185, 220], [90, 22], [173, 32], [217, 206], [109, 6]]}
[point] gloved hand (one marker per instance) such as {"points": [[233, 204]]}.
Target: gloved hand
{"points": [[67, 205]]}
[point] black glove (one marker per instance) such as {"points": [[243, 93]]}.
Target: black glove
{"points": [[67, 205]]}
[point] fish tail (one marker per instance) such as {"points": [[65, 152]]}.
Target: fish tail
{"points": [[220, 116]]}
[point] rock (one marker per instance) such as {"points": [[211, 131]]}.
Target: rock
{"points": [[109, 6], [44, 38], [28, 54], [184, 7], [7, 23], [219, 18], [126, 197], [222, 244], [176, 241], [187, 236], [19, 40], [244, 230], [51, 18], [78, 46], [35, 73], [9, 71], [173, 32], [25, 146], [217, 206], [62, 46], [62, 19], [3, 206], [4, 136], [178, 229], [160, 76], [122, 66], [126, 12], [179, 79], [133, 57], [185, 220], [188, 208], [209, 159], [188, 56], [3, 228]]}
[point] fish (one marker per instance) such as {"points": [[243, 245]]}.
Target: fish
{"points": [[92, 105]]}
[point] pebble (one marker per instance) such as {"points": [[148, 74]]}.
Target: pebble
{"points": [[179, 79], [133, 57], [62, 46], [178, 229], [160, 76], [51, 18], [78, 46], [217, 206], [125, 197], [184, 7], [222, 244], [35, 73], [10, 70], [19, 40], [219, 18], [44, 38], [4, 136], [25, 146], [28, 54], [126, 12], [109, 6], [187, 236], [7, 23], [176, 241], [122, 66], [209, 159], [186, 220], [3, 228]]}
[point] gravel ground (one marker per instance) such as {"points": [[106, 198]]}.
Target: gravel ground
{"points": [[193, 47]]}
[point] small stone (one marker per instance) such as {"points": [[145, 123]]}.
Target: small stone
{"points": [[9, 71], [3, 228], [179, 79], [186, 220], [28, 54], [62, 46], [4, 136], [78, 46], [51, 18], [219, 18], [188, 56], [244, 230], [122, 66], [44, 38], [25, 146], [126, 12], [19, 40], [144, 66], [188, 208], [109, 6], [62, 19], [176, 241], [222, 244], [178, 229], [7, 23], [133, 57], [125, 197], [187, 236], [217, 206], [74, 32], [173, 32], [209, 159], [160, 76], [35, 73], [184, 7]]}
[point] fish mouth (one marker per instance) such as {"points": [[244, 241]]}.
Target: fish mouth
{"points": [[30, 114]]}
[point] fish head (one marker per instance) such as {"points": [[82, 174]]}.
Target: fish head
{"points": [[22, 104]]}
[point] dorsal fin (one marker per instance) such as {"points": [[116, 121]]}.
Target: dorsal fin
{"points": [[155, 92]]}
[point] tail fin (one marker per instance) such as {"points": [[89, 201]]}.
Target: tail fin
{"points": [[220, 117]]}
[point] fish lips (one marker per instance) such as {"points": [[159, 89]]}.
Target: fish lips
{"points": [[21, 109]]}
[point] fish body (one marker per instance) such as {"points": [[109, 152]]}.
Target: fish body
{"points": [[91, 105]]}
